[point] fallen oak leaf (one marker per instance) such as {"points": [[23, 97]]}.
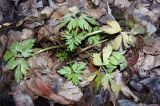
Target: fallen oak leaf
{"points": [[41, 88], [45, 88]]}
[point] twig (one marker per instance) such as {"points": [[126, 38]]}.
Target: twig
{"points": [[46, 49], [88, 47], [92, 33]]}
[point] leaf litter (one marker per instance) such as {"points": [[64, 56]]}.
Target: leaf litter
{"points": [[57, 48]]}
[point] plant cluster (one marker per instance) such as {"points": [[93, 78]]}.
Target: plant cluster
{"points": [[110, 58], [79, 27], [108, 64]]}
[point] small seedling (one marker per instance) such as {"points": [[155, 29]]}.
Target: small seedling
{"points": [[16, 57], [62, 56], [73, 72]]}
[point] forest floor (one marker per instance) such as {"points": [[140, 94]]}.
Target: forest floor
{"points": [[79, 52]]}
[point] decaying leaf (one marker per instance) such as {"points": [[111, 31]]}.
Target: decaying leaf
{"points": [[125, 90], [116, 43], [41, 88], [97, 59], [96, 12], [112, 28], [115, 87], [107, 51], [105, 83], [138, 29], [92, 76], [70, 91], [151, 46], [123, 39]]}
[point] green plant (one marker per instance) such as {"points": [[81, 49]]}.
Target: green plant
{"points": [[62, 56], [106, 80], [73, 40], [73, 72], [77, 25], [16, 57], [122, 38], [95, 38], [72, 21], [109, 62]]}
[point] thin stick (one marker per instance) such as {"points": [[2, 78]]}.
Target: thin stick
{"points": [[46, 49], [92, 33], [88, 47]]}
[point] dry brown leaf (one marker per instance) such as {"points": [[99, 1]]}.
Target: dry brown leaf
{"points": [[91, 66], [41, 88]]}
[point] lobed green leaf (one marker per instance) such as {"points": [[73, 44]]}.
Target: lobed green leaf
{"points": [[8, 55]]}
